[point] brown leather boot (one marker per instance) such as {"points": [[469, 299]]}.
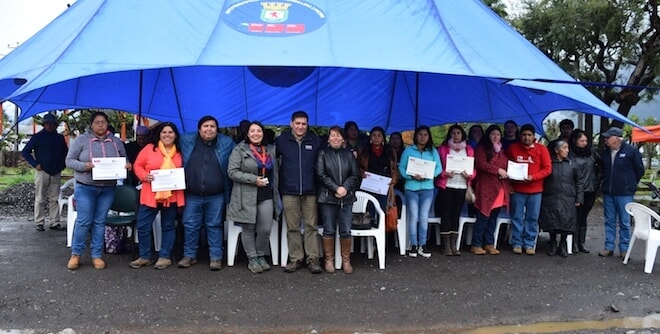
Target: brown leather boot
{"points": [[477, 251], [446, 249], [74, 262], [491, 250], [329, 254], [452, 244], [98, 263], [346, 255]]}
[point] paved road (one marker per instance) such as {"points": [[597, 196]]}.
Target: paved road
{"points": [[439, 294]]}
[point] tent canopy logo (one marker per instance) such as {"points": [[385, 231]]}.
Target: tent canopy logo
{"points": [[273, 18]]}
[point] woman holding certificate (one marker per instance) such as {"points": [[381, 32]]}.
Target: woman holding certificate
{"points": [[253, 169], [90, 157], [492, 188], [161, 153], [457, 173], [378, 158], [420, 164]]}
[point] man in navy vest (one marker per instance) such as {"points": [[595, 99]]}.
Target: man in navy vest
{"points": [[46, 152]]}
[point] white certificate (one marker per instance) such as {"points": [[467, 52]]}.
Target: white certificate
{"points": [[424, 168], [517, 171], [459, 163], [168, 179], [109, 168], [374, 183]]}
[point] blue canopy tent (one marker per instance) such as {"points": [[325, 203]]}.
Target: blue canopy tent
{"points": [[391, 63]]}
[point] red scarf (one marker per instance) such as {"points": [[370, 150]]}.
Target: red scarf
{"points": [[377, 149]]}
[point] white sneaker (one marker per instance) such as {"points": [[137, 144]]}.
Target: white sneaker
{"points": [[412, 252], [423, 252]]}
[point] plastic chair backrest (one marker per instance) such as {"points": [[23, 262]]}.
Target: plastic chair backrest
{"points": [[361, 201], [643, 217], [126, 199]]}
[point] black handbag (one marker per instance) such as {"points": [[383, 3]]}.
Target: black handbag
{"points": [[361, 221]]}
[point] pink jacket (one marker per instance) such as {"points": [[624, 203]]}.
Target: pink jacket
{"points": [[443, 151], [148, 160]]}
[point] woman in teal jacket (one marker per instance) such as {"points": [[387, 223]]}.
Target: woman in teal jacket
{"points": [[419, 189]]}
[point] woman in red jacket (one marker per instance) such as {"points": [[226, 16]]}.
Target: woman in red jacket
{"points": [[161, 153], [492, 189]]}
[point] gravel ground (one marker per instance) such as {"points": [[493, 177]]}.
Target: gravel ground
{"points": [[444, 295], [17, 200]]}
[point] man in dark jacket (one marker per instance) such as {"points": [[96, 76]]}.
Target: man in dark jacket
{"points": [[296, 153], [622, 169], [46, 152]]}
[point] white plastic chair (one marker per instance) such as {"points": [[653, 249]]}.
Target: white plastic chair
{"points": [[402, 224], [463, 220], [158, 232], [63, 198], [71, 215], [233, 232], [504, 219], [644, 218], [436, 221], [378, 233]]}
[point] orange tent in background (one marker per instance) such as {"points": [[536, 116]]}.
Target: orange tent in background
{"points": [[640, 136]]}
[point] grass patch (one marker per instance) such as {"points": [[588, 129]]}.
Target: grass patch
{"points": [[11, 176]]}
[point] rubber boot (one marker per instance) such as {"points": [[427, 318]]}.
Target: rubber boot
{"points": [[581, 238], [329, 254], [452, 244], [552, 247], [446, 249], [552, 244], [563, 248], [346, 255]]}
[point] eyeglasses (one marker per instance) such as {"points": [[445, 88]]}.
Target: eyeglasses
{"points": [[100, 122]]}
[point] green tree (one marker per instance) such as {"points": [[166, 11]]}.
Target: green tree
{"points": [[606, 41], [498, 7], [78, 120], [650, 149]]}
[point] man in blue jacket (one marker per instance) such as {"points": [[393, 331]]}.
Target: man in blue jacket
{"points": [[622, 170], [208, 187], [46, 152], [296, 152]]}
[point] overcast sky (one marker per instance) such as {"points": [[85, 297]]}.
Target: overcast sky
{"points": [[20, 19]]}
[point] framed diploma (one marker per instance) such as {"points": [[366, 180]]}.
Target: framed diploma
{"points": [[109, 168], [458, 164], [517, 171], [374, 183], [168, 179], [417, 166]]}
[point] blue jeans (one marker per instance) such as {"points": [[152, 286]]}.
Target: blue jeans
{"points": [[145, 219], [92, 204], [418, 204], [484, 228], [525, 209], [206, 210], [335, 216], [614, 206]]}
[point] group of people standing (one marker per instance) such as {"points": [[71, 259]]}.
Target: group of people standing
{"points": [[299, 177], [556, 193]]}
